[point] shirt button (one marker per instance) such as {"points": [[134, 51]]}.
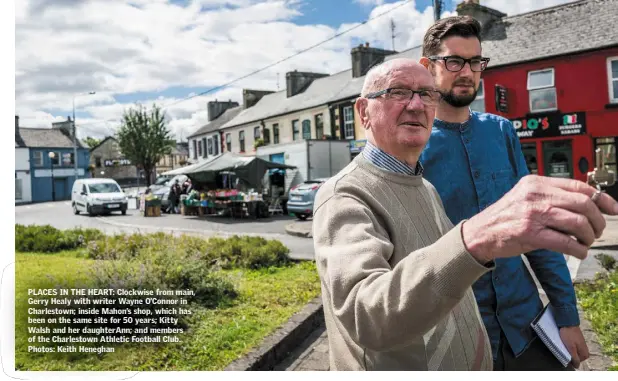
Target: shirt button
{"points": [[477, 174]]}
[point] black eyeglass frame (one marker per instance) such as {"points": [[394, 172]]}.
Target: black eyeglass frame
{"points": [[484, 62], [390, 89]]}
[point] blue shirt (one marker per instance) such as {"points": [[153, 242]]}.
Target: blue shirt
{"points": [[472, 165], [389, 162]]}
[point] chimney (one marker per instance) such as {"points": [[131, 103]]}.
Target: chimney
{"points": [[251, 97], [484, 15], [365, 57], [297, 81], [216, 108], [66, 127], [16, 125]]}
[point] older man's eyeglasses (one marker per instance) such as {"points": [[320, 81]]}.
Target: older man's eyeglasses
{"points": [[456, 63], [428, 97]]}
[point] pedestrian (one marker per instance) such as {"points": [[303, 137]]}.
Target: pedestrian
{"points": [[473, 159], [396, 275], [174, 197]]}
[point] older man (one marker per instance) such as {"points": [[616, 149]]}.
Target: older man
{"points": [[396, 275]]}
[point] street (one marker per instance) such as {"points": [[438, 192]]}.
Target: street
{"points": [[60, 215]]}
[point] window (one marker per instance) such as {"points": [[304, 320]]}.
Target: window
{"points": [[542, 90], [215, 143], [228, 142], [67, 159], [295, 131], [241, 138], [18, 192], [195, 149], [306, 129], [199, 148], [266, 136], [276, 133], [319, 126], [203, 145], [84, 189], [479, 103], [209, 146], [37, 158], [256, 133], [97, 162], [612, 77], [348, 122]]}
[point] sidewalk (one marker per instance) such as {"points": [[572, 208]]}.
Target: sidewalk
{"points": [[312, 354]]}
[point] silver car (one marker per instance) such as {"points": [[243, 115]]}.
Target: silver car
{"points": [[301, 197]]}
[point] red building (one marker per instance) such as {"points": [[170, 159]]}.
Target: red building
{"points": [[554, 73]]}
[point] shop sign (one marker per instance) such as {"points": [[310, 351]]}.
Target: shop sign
{"points": [[116, 162], [502, 101], [551, 125], [357, 146]]}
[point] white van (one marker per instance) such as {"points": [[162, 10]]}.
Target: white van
{"points": [[98, 196]]}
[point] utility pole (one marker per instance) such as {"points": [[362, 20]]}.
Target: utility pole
{"points": [[437, 9], [75, 135], [393, 33]]}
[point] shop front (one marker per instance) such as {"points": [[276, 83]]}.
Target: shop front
{"points": [[561, 145], [556, 144]]}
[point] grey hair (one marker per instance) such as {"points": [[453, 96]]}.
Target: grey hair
{"points": [[378, 76]]}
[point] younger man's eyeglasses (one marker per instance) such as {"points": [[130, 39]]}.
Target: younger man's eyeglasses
{"points": [[456, 63]]}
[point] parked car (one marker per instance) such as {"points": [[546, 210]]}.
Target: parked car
{"points": [[301, 197], [163, 192], [98, 196]]}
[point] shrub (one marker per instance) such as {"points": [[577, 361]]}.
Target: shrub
{"points": [[47, 239], [607, 261]]}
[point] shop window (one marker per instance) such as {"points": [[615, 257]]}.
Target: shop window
{"points": [[18, 189], [558, 156], [612, 76], [306, 129], [542, 90], [348, 122], [608, 150], [295, 130], [276, 133], [479, 102], [319, 126], [228, 142], [241, 140], [529, 151]]}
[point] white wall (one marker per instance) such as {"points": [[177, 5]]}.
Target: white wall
{"points": [[22, 164]]}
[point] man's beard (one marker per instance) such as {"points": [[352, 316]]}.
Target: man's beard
{"points": [[458, 100]]}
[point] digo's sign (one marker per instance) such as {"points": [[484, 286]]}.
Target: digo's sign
{"points": [[551, 125]]}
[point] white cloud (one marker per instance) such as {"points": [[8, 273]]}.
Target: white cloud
{"points": [[123, 47], [512, 8]]}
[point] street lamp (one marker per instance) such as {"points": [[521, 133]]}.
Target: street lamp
{"points": [[75, 132], [51, 167]]}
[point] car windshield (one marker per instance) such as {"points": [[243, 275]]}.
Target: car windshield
{"points": [[162, 181], [104, 188]]}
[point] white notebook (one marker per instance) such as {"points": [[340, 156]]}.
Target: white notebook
{"points": [[545, 327]]}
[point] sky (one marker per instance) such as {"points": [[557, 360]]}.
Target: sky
{"points": [[164, 51]]}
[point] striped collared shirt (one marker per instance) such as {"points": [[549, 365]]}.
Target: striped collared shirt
{"points": [[388, 162]]}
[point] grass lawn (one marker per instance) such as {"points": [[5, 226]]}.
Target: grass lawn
{"points": [[599, 299], [268, 298]]}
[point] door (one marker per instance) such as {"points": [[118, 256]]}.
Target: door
{"points": [[60, 188], [529, 151], [608, 147], [558, 158]]}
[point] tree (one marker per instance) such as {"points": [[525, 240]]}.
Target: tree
{"points": [[91, 142], [144, 138]]}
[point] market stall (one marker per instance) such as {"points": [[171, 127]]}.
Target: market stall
{"points": [[229, 185]]}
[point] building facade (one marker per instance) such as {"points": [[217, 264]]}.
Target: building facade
{"points": [[107, 161], [562, 92], [50, 177]]}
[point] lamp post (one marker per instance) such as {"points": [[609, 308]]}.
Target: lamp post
{"points": [[51, 167], [75, 133]]}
